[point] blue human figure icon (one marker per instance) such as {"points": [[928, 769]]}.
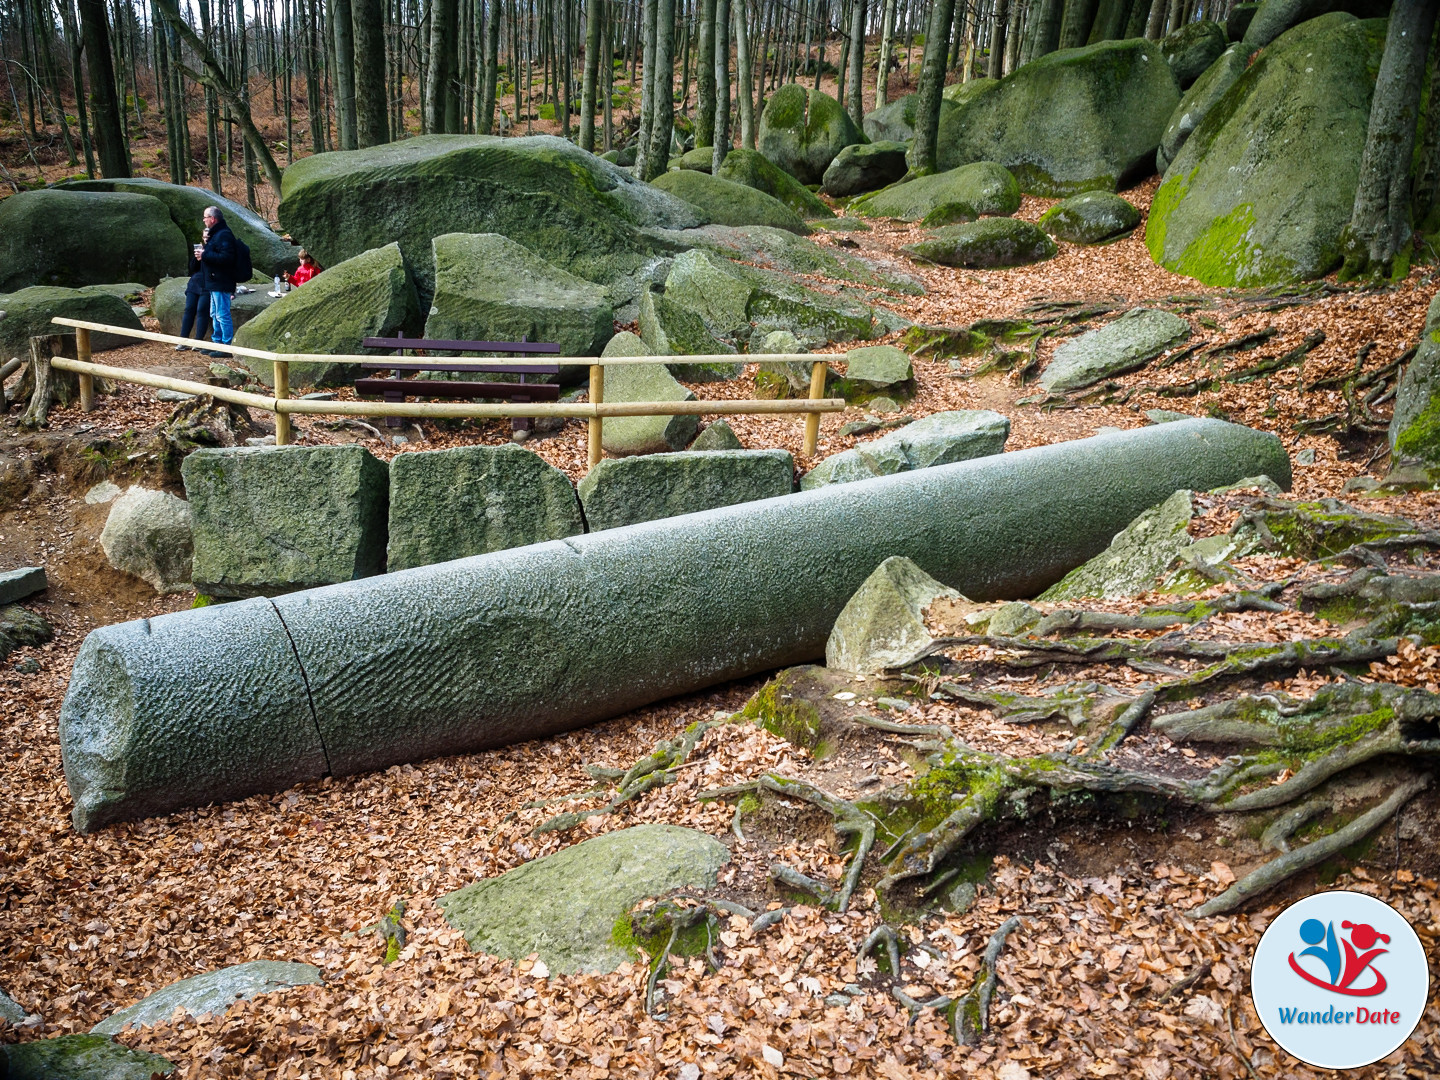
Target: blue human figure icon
{"points": [[1313, 932]]}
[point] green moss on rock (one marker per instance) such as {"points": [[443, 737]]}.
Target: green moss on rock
{"points": [[727, 203], [989, 243], [985, 187], [802, 130], [753, 169]]}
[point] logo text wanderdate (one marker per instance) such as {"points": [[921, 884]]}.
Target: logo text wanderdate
{"points": [[1333, 1015]]}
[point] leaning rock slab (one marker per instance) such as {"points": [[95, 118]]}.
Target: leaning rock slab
{"points": [[1197, 102], [627, 491], [1076, 120], [865, 167], [668, 329], [269, 520], [489, 288], [938, 439], [1415, 426], [367, 296], [77, 238], [883, 625], [625, 435], [726, 203], [148, 534], [987, 244], [753, 169], [566, 906], [803, 130], [27, 313], [1136, 558], [1092, 217], [81, 1057], [212, 992], [18, 584], [1244, 203], [1131, 341], [451, 504], [985, 187]]}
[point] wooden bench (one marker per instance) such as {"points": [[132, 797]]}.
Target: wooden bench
{"points": [[398, 389]]}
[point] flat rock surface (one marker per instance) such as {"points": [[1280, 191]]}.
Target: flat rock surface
{"points": [[1131, 341], [212, 992]]}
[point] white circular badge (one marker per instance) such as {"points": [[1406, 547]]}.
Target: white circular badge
{"points": [[1340, 980]]}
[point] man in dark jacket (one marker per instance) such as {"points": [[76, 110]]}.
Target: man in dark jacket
{"points": [[218, 259]]}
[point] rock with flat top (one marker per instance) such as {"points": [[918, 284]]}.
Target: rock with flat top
{"points": [[212, 992], [883, 625], [1130, 342], [625, 435]]}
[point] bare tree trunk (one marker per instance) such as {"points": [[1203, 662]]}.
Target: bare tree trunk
{"points": [[1380, 223], [855, 77], [996, 66], [72, 38], [485, 122], [1155, 25], [662, 94], [722, 84], [439, 79], [932, 82], [1079, 17], [1012, 36], [342, 31], [109, 131], [1047, 27], [1427, 171], [745, 88], [372, 119], [705, 77], [887, 34], [647, 85]]}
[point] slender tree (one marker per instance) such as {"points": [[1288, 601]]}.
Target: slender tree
{"points": [[705, 76], [1380, 224], [343, 73], [887, 32], [932, 82], [72, 38], [372, 112], [744, 88], [722, 84], [662, 93], [592, 72], [104, 107], [854, 89], [647, 85], [1079, 17], [998, 14]]}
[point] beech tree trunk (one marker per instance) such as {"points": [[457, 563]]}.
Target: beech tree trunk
{"points": [[485, 123], [592, 70], [372, 114], [998, 15], [722, 83], [1075, 28], [1380, 223], [887, 35], [647, 85], [744, 76], [440, 97], [932, 82], [343, 75], [705, 76], [104, 106], [855, 76], [662, 92]]}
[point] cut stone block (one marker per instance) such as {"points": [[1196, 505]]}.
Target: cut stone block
{"points": [[627, 491], [18, 584], [625, 435]]}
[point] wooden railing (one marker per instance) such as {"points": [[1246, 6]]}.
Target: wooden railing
{"points": [[595, 410]]}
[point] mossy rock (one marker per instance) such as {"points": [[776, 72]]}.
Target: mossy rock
{"points": [[865, 167], [1274, 17], [80, 1057], [1137, 557], [1075, 120], [1127, 343], [799, 705], [572, 209], [895, 120], [1192, 49], [701, 159], [1197, 102], [776, 249], [622, 435], [950, 213], [989, 243], [167, 304], [727, 203], [961, 92], [26, 313], [671, 330], [76, 238], [1415, 425], [1239, 20], [1264, 187], [753, 169], [1092, 217], [985, 187], [802, 131], [627, 491], [367, 296]]}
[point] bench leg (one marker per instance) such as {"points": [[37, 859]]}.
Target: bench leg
{"points": [[394, 421], [519, 423]]}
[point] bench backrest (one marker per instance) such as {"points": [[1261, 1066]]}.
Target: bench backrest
{"points": [[402, 342]]}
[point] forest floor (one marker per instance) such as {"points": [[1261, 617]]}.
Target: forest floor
{"points": [[1109, 974]]}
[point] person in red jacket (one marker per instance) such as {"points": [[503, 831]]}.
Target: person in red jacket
{"points": [[306, 270]]}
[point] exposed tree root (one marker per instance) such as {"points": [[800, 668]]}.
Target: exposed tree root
{"points": [[1292, 862], [882, 935], [1179, 986], [850, 820], [971, 1018]]}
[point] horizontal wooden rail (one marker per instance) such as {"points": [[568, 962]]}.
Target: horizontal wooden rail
{"points": [[595, 410]]}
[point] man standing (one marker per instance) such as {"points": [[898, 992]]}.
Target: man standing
{"points": [[218, 258]]}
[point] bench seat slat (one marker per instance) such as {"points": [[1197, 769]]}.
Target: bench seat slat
{"points": [[462, 365], [458, 389]]}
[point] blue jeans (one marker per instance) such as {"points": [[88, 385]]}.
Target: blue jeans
{"points": [[220, 318]]}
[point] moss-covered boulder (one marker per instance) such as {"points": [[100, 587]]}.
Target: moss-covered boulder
{"points": [[1136, 558], [776, 249], [865, 167], [727, 203], [1197, 102], [1075, 120], [985, 187], [701, 159], [625, 435], [627, 491], [585, 215], [470, 500], [895, 120], [1092, 217], [938, 439], [985, 244], [1192, 49], [167, 304], [754, 169], [1274, 17], [1239, 20], [882, 627], [26, 313], [961, 92], [78, 238], [80, 1057], [367, 296], [270, 520], [1261, 191], [802, 130], [270, 253], [211, 993], [489, 288], [1415, 426], [573, 907], [672, 330], [881, 369], [1131, 341]]}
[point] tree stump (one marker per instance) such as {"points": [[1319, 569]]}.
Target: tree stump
{"points": [[50, 388]]}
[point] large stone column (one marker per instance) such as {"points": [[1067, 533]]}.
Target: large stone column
{"points": [[232, 700]]}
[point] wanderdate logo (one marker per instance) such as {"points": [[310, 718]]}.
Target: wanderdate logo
{"points": [[1319, 956]]}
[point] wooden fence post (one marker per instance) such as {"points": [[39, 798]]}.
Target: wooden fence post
{"points": [[812, 422], [597, 423], [87, 382], [282, 392]]}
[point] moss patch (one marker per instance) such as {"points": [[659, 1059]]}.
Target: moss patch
{"points": [[780, 711]]}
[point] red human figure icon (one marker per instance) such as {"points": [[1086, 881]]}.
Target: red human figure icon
{"points": [[1364, 936]]}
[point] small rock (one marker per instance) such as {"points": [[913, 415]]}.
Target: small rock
{"points": [[878, 366], [873, 423], [18, 584], [81, 1057], [961, 898], [319, 395], [884, 405], [1165, 416], [102, 492], [1264, 483], [1130, 342], [938, 439], [399, 440], [882, 626], [173, 397], [1012, 619], [212, 992], [265, 440], [11, 1010], [28, 666], [893, 703], [148, 534], [1305, 457], [837, 1001], [626, 491], [718, 436], [989, 243], [643, 382], [1092, 217]]}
